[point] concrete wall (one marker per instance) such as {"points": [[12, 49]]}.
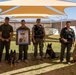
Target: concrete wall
{"points": [[47, 26], [58, 25], [15, 25]]}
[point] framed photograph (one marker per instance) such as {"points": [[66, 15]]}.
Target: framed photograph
{"points": [[23, 37]]}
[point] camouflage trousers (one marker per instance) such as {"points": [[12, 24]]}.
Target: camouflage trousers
{"points": [[40, 43], [63, 46]]}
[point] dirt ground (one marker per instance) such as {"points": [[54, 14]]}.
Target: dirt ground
{"points": [[38, 67], [70, 70]]}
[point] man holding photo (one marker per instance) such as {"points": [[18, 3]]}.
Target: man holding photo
{"points": [[23, 47]]}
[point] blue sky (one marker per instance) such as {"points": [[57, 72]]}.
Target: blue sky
{"points": [[4, 0], [71, 12], [70, 0]]}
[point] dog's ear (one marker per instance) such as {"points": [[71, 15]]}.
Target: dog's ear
{"points": [[11, 51], [14, 51], [48, 43], [51, 43]]}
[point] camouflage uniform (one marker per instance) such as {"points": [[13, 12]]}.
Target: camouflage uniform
{"points": [[38, 32]]}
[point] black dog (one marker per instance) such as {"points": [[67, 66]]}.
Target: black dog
{"points": [[12, 58], [50, 52]]}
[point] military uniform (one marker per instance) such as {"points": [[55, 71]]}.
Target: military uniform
{"points": [[23, 47], [38, 32], [69, 35], [5, 31]]}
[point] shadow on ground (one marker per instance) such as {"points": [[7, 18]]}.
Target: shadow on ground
{"points": [[68, 70], [32, 63]]}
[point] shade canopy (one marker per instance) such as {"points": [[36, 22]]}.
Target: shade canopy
{"points": [[39, 2], [4, 8], [61, 8], [32, 11]]}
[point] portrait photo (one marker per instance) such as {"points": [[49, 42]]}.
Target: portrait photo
{"points": [[23, 37]]}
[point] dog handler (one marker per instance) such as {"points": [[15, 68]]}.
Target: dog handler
{"points": [[38, 37], [67, 39], [6, 33], [23, 48]]}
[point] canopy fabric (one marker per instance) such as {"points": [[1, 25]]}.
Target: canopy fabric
{"points": [[32, 10], [4, 8], [38, 2], [61, 8]]}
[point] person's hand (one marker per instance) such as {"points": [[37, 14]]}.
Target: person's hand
{"points": [[3, 39], [44, 39], [73, 42], [7, 40], [65, 41], [34, 41]]}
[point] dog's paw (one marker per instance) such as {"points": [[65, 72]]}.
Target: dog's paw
{"points": [[11, 65], [15, 65]]}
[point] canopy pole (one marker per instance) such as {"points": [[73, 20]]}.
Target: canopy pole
{"points": [[61, 22]]}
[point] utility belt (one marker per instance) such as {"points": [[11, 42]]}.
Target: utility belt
{"points": [[5, 37], [38, 36], [69, 41]]}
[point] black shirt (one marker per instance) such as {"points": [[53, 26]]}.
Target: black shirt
{"points": [[5, 30], [67, 34]]}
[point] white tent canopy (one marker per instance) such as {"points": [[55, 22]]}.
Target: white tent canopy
{"points": [[38, 2]]}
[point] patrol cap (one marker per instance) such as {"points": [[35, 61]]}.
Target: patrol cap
{"points": [[68, 22], [6, 18], [38, 20]]}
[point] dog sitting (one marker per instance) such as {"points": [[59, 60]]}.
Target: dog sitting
{"points": [[74, 54], [12, 58], [50, 52]]}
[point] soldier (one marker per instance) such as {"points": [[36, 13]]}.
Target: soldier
{"points": [[38, 37], [23, 47], [6, 33], [67, 39]]}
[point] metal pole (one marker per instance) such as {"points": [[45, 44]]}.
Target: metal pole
{"points": [[61, 22]]}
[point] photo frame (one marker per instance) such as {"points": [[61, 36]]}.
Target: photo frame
{"points": [[23, 37]]}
